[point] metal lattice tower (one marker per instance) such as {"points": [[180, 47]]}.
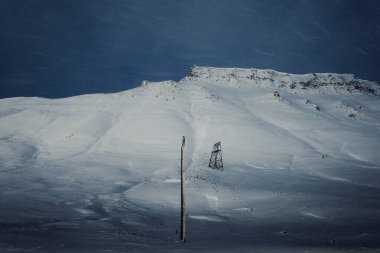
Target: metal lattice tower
{"points": [[216, 161]]}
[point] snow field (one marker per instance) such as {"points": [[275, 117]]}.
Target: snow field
{"points": [[101, 172]]}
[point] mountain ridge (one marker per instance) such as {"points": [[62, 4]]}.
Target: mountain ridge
{"points": [[322, 82]]}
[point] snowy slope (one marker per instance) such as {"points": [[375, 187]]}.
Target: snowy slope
{"points": [[99, 173]]}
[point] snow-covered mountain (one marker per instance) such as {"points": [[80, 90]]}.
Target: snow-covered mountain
{"points": [[100, 173]]}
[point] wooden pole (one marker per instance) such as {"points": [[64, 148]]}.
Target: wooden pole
{"points": [[182, 236]]}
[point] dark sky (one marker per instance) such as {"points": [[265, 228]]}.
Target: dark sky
{"points": [[60, 48]]}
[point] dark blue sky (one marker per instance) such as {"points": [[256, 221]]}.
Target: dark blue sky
{"points": [[60, 48]]}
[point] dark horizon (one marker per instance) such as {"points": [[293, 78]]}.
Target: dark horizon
{"points": [[54, 49]]}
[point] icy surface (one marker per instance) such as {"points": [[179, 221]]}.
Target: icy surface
{"points": [[100, 173]]}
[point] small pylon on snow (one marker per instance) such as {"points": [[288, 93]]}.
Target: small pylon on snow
{"points": [[216, 161]]}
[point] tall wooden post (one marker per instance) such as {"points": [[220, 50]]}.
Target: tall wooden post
{"points": [[182, 238]]}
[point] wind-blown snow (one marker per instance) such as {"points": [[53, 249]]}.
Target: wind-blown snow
{"points": [[100, 173]]}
